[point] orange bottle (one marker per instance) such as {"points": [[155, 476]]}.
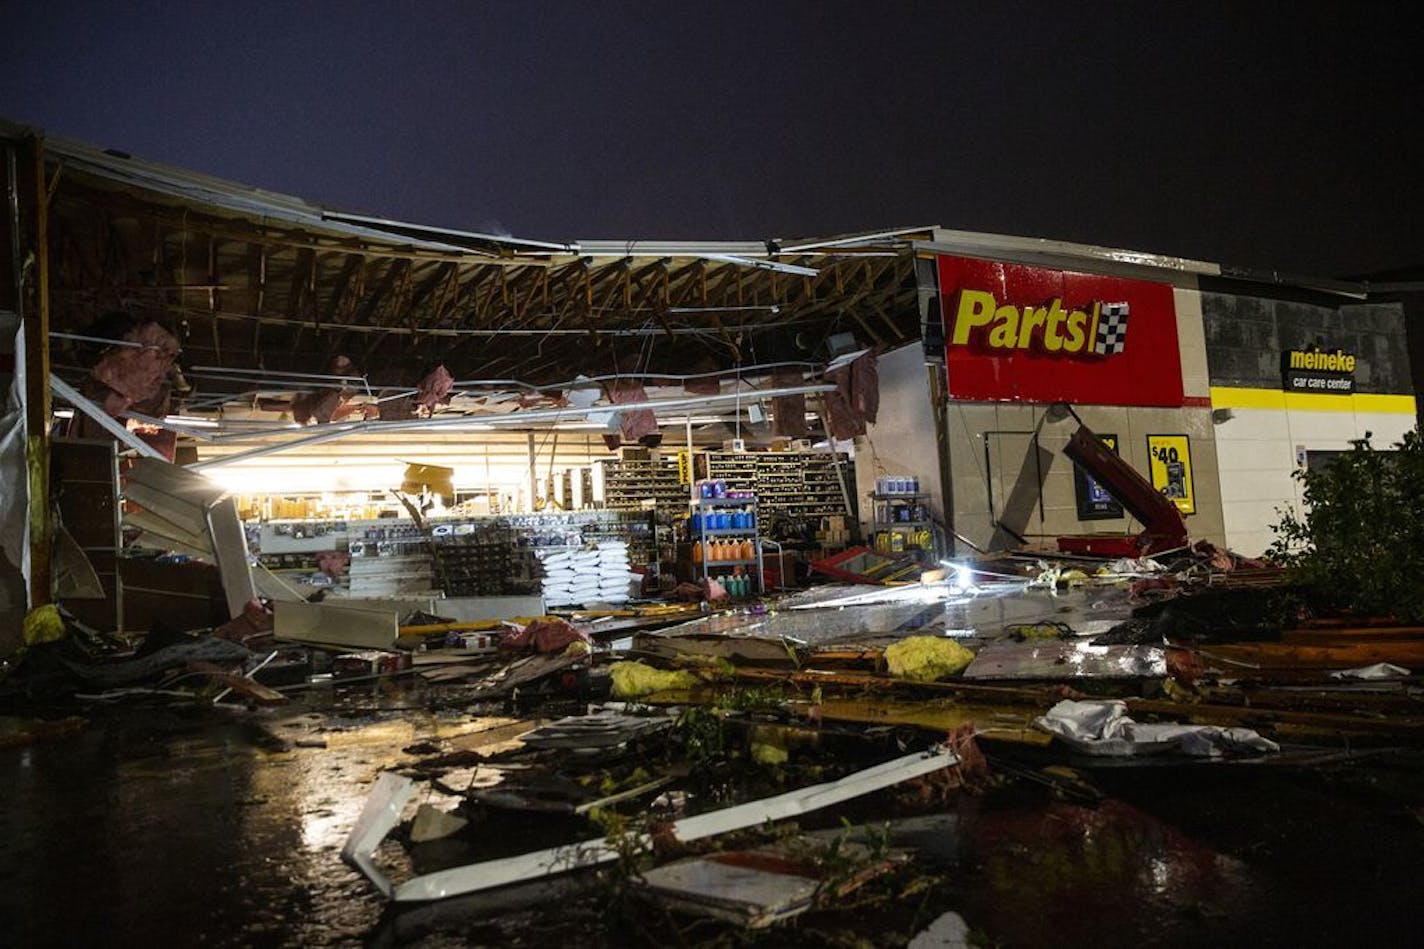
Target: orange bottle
{"points": [[697, 551]]}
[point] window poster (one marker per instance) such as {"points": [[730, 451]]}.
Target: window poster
{"points": [[1170, 458], [1094, 502]]}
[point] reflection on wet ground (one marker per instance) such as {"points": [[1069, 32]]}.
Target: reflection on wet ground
{"points": [[1203, 857], [168, 827]]}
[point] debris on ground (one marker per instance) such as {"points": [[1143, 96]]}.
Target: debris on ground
{"points": [[686, 756]]}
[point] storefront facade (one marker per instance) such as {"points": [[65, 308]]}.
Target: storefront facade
{"points": [[1294, 379], [1186, 373]]}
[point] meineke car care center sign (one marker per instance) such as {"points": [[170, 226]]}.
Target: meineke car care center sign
{"points": [[1024, 334]]}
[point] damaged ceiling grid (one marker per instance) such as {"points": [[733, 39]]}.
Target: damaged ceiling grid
{"points": [[257, 284]]}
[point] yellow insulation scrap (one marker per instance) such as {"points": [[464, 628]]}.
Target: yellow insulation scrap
{"points": [[633, 680], [42, 625], [926, 658]]}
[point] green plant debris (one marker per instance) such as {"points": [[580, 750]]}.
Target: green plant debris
{"points": [[1359, 545]]}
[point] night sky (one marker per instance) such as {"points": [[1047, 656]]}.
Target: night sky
{"points": [[1270, 136]]}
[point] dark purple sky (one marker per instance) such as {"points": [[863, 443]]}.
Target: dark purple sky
{"points": [[1271, 137]]}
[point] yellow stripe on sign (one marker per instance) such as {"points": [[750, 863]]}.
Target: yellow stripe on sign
{"points": [[1224, 397]]}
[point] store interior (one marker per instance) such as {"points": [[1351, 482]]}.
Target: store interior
{"points": [[415, 414]]}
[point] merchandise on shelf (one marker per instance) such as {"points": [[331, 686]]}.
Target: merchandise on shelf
{"points": [[901, 521], [481, 555], [722, 532], [792, 487]]}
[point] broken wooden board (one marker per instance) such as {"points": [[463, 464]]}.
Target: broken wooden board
{"points": [[1270, 660], [337, 626], [240, 684]]}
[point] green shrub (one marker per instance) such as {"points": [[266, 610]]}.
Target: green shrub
{"points": [[1359, 547]]}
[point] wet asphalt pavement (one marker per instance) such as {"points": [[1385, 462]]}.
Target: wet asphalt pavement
{"points": [[173, 827]]}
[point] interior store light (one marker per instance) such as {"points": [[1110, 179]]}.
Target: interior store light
{"points": [[192, 421], [579, 427]]}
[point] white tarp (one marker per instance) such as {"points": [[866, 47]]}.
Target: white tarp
{"points": [[14, 476], [1103, 728], [1380, 670]]}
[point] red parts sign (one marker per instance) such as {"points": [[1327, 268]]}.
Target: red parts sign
{"points": [[1023, 334]]}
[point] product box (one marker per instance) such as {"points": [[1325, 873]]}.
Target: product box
{"points": [[353, 665]]}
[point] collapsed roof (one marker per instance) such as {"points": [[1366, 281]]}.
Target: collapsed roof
{"points": [[262, 290]]}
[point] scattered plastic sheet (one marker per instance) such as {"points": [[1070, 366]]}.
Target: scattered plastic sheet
{"points": [[1375, 672], [1103, 728], [949, 931]]}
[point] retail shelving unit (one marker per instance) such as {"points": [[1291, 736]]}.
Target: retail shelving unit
{"points": [[628, 483], [907, 514], [799, 485], [704, 509], [480, 555]]}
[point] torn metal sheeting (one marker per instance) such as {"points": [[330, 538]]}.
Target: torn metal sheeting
{"points": [[71, 395], [599, 731], [431, 823], [181, 513], [340, 626], [381, 812], [174, 480], [1056, 660], [813, 627], [168, 534], [230, 548], [383, 809]]}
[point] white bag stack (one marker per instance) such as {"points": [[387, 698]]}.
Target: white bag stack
{"points": [[570, 577], [615, 578]]}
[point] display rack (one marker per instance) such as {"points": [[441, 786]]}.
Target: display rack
{"points": [[799, 486], [479, 555], [900, 523], [707, 538], [627, 484]]}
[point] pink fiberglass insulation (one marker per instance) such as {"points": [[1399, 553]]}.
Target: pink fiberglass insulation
{"points": [[138, 373], [636, 424], [434, 388]]}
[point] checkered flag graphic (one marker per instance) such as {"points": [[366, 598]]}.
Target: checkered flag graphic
{"points": [[1112, 329]]}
